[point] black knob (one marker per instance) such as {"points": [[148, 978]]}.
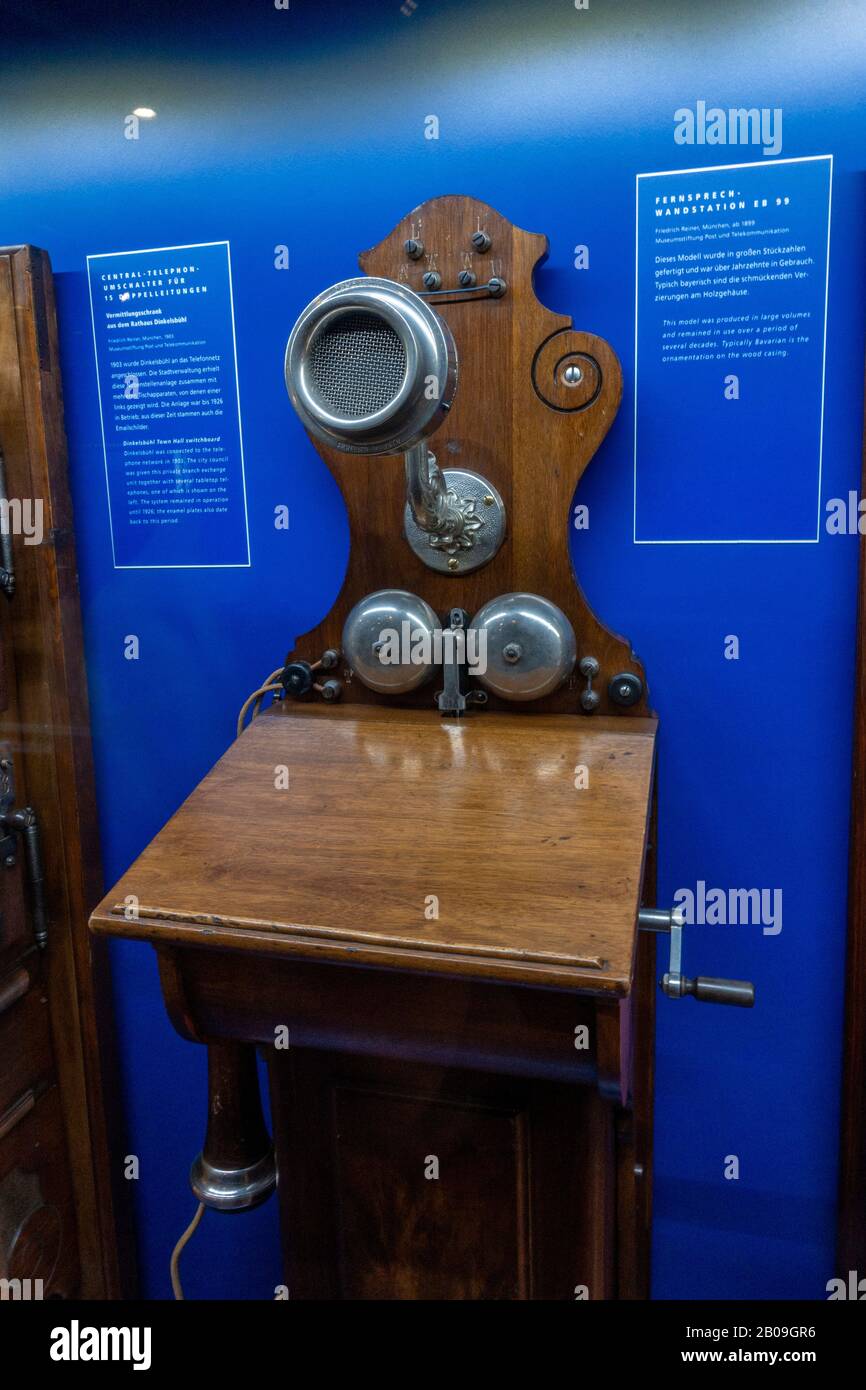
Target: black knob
{"points": [[625, 689], [466, 278], [332, 689], [432, 280], [297, 679], [481, 241], [414, 249]]}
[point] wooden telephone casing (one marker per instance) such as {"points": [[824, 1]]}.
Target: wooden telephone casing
{"points": [[513, 421]]}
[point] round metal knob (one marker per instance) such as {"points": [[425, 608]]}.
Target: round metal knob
{"points": [[414, 249], [481, 241], [297, 679], [625, 689]]}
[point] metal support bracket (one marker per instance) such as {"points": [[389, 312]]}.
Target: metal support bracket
{"points": [[453, 520], [494, 288], [456, 698]]}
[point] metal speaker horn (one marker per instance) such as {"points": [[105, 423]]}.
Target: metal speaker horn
{"points": [[370, 367]]}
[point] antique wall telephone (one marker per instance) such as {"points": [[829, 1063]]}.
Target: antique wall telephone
{"points": [[462, 680], [372, 369]]}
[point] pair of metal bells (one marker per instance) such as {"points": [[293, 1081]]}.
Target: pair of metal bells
{"points": [[519, 646]]}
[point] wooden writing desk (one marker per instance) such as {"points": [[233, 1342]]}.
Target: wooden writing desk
{"points": [[415, 1036]]}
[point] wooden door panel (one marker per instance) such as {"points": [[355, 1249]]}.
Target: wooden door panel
{"points": [[37, 1214], [16, 926], [410, 1182], [432, 1196], [26, 1059]]}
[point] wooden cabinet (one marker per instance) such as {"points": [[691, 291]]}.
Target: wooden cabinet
{"points": [[61, 1194], [452, 1092]]}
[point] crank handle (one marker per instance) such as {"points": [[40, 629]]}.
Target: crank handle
{"points": [[741, 993], [674, 983]]}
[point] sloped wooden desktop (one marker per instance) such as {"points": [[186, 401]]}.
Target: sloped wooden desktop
{"points": [[442, 912]]}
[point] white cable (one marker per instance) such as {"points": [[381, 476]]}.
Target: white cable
{"points": [[178, 1251]]}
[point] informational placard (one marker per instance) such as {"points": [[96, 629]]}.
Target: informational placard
{"points": [[166, 368], [730, 334]]}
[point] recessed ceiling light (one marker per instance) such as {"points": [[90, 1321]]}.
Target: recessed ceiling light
{"points": [[144, 113]]}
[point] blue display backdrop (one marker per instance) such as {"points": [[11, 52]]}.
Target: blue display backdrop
{"points": [[301, 136], [730, 334], [164, 338]]}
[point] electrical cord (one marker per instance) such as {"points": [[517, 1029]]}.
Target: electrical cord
{"points": [[267, 688], [178, 1251]]}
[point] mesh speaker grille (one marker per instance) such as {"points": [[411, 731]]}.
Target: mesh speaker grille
{"points": [[357, 365]]}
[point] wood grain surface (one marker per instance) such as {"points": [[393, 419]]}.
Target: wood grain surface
{"points": [[514, 422], [46, 725], [388, 810]]}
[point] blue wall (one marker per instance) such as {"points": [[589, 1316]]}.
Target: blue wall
{"points": [[306, 128]]}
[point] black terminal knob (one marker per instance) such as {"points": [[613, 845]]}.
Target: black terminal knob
{"points": [[481, 241], [625, 689], [297, 679], [414, 249]]}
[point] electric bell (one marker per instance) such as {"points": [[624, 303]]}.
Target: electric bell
{"points": [[528, 644], [381, 641]]}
